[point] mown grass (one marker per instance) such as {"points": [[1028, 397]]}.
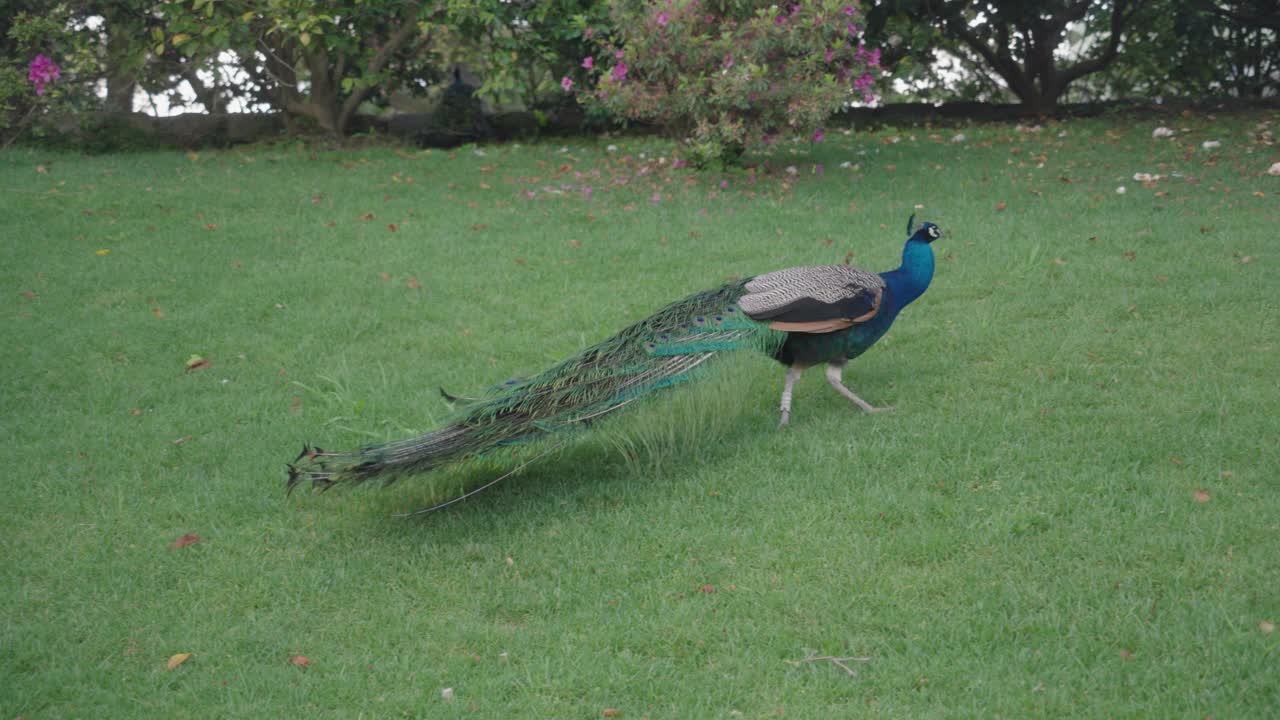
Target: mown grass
{"points": [[1072, 512]]}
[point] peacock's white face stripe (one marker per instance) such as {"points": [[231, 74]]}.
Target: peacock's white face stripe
{"points": [[933, 232]]}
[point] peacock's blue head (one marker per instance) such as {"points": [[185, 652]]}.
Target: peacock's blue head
{"points": [[926, 233]]}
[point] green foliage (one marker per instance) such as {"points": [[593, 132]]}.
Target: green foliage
{"points": [[524, 48], [39, 31], [734, 75], [1189, 50]]}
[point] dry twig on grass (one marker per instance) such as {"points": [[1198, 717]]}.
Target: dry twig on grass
{"points": [[838, 662]]}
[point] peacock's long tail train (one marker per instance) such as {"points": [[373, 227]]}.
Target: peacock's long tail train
{"points": [[660, 351]]}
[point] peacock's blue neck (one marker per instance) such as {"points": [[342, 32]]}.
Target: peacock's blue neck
{"points": [[912, 278]]}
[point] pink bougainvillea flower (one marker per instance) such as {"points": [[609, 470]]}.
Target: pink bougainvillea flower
{"points": [[677, 164], [663, 19], [41, 72], [724, 184], [795, 9], [853, 29], [618, 55], [829, 54], [619, 72], [586, 193], [566, 83], [817, 135], [588, 62], [849, 10], [779, 20], [728, 61]]}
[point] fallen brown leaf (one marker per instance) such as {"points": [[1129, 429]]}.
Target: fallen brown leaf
{"points": [[1267, 626], [392, 227], [300, 661], [610, 712], [176, 660], [185, 540], [1202, 496], [413, 283], [1001, 206]]}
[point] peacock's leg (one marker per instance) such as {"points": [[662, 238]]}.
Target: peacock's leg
{"points": [[834, 372], [793, 374]]}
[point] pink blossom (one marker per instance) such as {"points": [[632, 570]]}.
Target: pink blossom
{"points": [[795, 8], [849, 10], [724, 184], [586, 193], [677, 164], [619, 72], [829, 54], [728, 61], [42, 72], [618, 55], [663, 19], [817, 135], [779, 20], [853, 29], [588, 62], [870, 57], [566, 83]]}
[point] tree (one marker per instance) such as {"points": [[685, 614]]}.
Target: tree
{"points": [[1202, 49], [323, 58], [1020, 42]]}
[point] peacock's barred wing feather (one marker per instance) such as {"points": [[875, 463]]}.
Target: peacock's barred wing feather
{"points": [[662, 350]]}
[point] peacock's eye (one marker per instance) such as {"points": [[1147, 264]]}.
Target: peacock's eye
{"points": [[934, 232]]}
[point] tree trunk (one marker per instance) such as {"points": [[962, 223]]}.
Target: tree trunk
{"points": [[121, 82]]}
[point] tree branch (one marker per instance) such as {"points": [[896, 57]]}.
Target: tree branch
{"points": [[407, 28], [1119, 19]]}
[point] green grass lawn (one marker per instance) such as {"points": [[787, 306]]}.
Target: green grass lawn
{"points": [[1073, 511]]}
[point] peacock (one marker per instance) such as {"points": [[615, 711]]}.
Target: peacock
{"points": [[800, 316]]}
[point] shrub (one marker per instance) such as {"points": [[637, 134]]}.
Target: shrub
{"points": [[728, 75]]}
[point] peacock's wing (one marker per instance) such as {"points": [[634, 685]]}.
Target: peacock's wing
{"points": [[815, 299]]}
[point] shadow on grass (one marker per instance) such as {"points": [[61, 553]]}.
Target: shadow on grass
{"points": [[655, 445]]}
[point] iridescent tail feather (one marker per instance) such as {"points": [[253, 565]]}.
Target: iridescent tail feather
{"points": [[666, 349]]}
